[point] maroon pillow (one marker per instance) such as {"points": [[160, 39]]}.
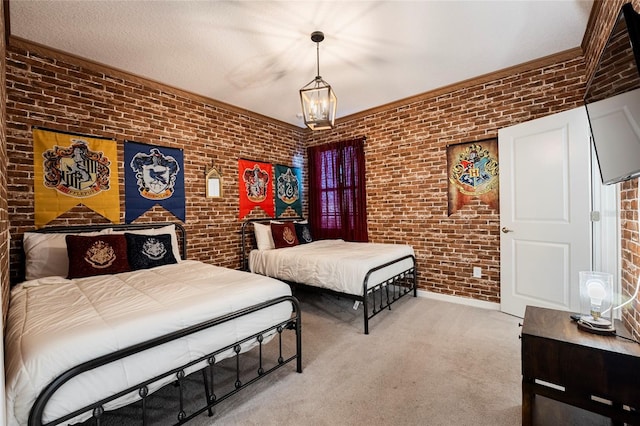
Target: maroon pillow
{"points": [[96, 255], [284, 234]]}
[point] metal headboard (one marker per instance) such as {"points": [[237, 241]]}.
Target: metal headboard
{"points": [[180, 230], [245, 238]]}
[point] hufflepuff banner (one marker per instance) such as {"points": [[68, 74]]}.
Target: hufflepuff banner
{"points": [[288, 189], [153, 175], [72, 169]]}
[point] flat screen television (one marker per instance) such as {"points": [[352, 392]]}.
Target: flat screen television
{"points": [[612, 100]]}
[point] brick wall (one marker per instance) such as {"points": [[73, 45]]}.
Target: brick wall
{"points": [[406, 169], [52, 90]]}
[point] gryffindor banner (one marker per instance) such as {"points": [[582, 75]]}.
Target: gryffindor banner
{"points": [[255, 184], [72, 169], [472, 170]]}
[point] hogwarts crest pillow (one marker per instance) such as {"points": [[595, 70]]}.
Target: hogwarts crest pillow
{"points": [[96, 255], [148, 251]]}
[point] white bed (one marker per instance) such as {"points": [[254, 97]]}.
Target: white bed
{"points": [[55, 324], [374, 274], [336, 265]]}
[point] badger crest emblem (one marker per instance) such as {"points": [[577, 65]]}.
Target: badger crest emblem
{"points": [[100, 255], [154, 249], [75, 170], [255, 181], [287, 187], [155, 174]]}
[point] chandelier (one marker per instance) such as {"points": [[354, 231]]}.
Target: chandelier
{"points": [[318, 100]]}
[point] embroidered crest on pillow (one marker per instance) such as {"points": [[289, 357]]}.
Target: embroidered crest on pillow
{"points": [[284, 235], [148, 251], [303, 232], [96, 255]]}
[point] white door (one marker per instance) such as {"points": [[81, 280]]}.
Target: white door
{"points": [[545, 231]]}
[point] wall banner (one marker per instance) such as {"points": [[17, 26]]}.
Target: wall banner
{"points": [[153, 175], [472, 170], [255, 185], [72, 169], [288, 189]]}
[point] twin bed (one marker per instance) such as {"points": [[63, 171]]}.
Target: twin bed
{"points": [[75, 348], [374, 275]]}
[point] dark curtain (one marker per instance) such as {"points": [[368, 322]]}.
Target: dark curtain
{"points": [[337, 191]]}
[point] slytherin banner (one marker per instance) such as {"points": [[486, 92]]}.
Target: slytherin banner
{"points": [[288, 189], [473, 172], [153, 175], [72, 169], [255, 185]]}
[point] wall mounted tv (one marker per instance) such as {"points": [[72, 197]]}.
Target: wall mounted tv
{"points": [[612, 100]]}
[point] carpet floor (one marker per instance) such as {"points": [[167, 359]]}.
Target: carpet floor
{"points": [[425, 362]]}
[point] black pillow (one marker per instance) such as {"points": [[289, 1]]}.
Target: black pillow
{"points": [[303, 232], [148, 251]]}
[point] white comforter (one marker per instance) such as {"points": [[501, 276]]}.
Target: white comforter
{"points": [[55, 324], [334, 264]]}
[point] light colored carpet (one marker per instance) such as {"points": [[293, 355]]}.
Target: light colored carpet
{"points": [[425, 362]]}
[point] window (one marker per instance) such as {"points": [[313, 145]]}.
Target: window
{"points": [[337, 190]]}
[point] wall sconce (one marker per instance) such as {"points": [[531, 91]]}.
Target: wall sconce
{"points": [[213, 180]]}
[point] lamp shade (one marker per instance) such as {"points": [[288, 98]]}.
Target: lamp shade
{"points": [[319, 104]]}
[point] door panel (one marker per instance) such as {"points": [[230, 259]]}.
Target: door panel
{"points": [[544, 211]]}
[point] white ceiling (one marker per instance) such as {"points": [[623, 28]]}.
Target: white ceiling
{"points": [[256, 55]]}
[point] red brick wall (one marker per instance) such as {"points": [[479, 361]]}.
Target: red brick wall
{"points": [[53, 91], [406, 170]]}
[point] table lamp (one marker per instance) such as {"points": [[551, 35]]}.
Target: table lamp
{"points": [[596, 300]]}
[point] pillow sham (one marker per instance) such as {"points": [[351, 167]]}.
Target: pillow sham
{"points": [[303, 232], [264, 238], [284, 235], [169, 229], [148, 251], [96, 255], [46, 254]]}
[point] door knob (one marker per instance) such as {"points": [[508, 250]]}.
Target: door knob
{"points": [[506, 230]]}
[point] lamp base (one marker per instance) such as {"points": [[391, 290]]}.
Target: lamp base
{"points": [[597, 326]]}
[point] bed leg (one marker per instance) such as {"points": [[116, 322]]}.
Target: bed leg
{"points": [[365, 305], [207, 392]]}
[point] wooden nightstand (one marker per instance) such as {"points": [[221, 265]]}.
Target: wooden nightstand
{"points": [[597, 373]]}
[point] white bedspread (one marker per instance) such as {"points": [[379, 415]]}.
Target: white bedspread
{"points": [[55, 324], [334, 264]]}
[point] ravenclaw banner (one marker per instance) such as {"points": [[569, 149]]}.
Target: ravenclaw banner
{"points": [[72, 169], [153, 175], [255, 184], [288, 189], [473, 172]]}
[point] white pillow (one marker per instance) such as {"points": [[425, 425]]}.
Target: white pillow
{"points": [[46, 254], [264, 238], [169, 229]]}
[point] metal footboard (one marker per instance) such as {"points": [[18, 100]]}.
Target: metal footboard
{"points": [[210, 399], [381, 296]]}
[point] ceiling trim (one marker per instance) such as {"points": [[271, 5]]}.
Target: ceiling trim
{"points": [[20, 43], [563, 56]]}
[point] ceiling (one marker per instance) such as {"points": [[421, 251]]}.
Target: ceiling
{"points": [[256, 55]]}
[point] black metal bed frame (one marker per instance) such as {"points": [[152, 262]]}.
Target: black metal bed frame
{"points": [[210, 399], [374, 299]]}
